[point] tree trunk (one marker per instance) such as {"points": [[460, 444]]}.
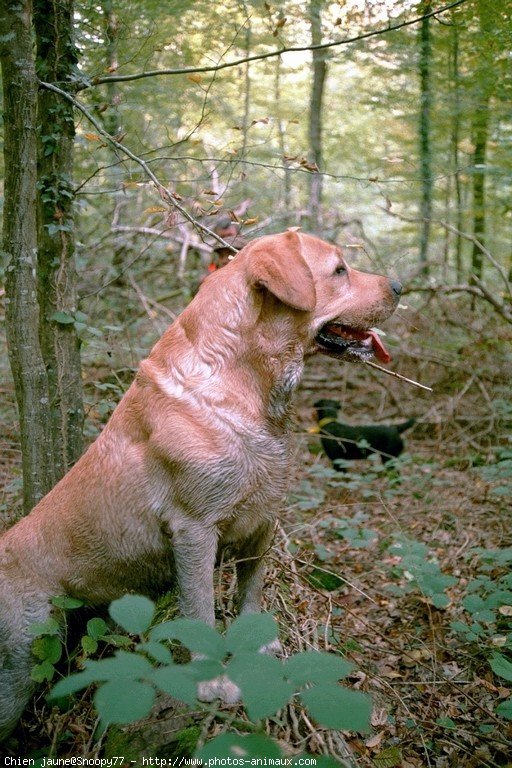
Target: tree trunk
{"points": [[425, 55], [20, 245], [281, 132], [56, 58], [455, 139], [485, 82], [315, 118]]}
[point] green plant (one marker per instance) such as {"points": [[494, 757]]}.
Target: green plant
{"points": [[127, 682], [421, 571], [49, 644], [487, 617]]}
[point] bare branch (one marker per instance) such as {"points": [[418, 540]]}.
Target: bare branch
{"points": [[271, 54], [166, 196], [479, 290]]}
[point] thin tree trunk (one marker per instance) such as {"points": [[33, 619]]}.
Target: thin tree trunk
{"points": [[287, 185], [315, 118], [56, 59], [455, 140], [424, 132], [20, 244], [484, 89]]}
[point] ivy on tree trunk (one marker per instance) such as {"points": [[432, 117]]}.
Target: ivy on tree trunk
{"points": [[56, 60]]}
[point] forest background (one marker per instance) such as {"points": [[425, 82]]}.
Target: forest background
{"points": [[130, 131]]}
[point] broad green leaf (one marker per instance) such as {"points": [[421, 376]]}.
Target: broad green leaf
{"points": [[133, 613], [233, 745], [501, 666], [47, 648], [48, 627], [388, 758], [204, 669], [89, 644], [71, 684], [66, 603], [250, 631], [96, 628], [260, 678], [175, 681], [194, 634], [157, 651], [42, 672], [505, 708], [122, 666], [446, 722], [440, 600], [315, 667], [124, 701], [336, 707], [63, 318]]}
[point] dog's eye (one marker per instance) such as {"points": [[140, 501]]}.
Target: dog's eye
{"points": [[340, 270]]}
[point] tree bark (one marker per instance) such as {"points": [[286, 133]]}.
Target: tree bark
{"points": [[425, 55], [484, 86], [455, 139], [56, 59], [315, 118], [20, 244]]}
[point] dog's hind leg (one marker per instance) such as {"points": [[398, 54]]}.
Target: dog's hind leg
{"points": [[251, 575], [250, 568]]}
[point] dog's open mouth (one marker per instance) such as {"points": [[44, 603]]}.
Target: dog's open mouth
{"points": [[340, 340]]}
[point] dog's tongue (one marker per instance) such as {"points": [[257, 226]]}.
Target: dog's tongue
{"points": [[379, 350]]}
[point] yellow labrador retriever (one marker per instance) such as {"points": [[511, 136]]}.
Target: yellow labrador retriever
{"points": [[196, 455]]}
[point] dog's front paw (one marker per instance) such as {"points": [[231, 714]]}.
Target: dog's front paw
{"points": [[272, 649], [219, 688]]}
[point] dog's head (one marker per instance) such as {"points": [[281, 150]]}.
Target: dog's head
{"points": [[326, 408], [339, 304]]}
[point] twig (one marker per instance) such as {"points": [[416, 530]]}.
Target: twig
{"points": [[397, 375], [270, 54], [167, 196]]}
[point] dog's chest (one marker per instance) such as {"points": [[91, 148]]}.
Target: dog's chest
{"points": [[240, 490]]}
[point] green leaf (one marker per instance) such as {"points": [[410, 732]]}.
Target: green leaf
{"points": [[124, 701], [89, 644], [446, 722], [133, 613], [194, 634], [315, 667], [388, 758], [175, 681], [204, 669], [336, 707], [96, 628], [157, 651], [48, 627], [244, 748], [501, 666], [42, 672], [260, 678], [440, 600], [48, 648], [505, 709], [66, 603], [250, 632], [62, 318], [71, 684]]}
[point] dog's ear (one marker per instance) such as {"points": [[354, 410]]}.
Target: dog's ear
{"points": [[276, 263]]}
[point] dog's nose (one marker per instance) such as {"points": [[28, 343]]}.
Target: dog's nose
{"points": [[396, 287]]}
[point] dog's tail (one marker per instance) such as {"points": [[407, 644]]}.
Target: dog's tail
{"points": [[406, 425]]}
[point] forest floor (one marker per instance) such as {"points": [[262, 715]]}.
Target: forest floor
{"points": [[407, 573]]}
